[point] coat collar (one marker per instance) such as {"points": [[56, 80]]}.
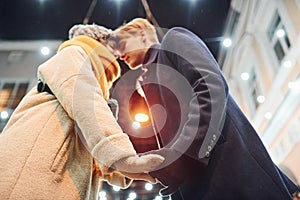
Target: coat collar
{"points": [[151, 54]]}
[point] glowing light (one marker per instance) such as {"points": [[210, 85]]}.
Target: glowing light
{"points": [[136, 125], [287, 64], [268, 115], [280, 33], [245, 76], [260, 99], [4, 115], [116, 188], [158, 198], [227, 42], [141, 117], [102, 194], [294, 85], [45, 50], [132, 195], [148, 186]]}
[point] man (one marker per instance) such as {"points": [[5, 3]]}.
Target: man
{"points": [[211, 150]]}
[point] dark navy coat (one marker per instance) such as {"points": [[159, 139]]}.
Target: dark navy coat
{"points": [[198, 117]]}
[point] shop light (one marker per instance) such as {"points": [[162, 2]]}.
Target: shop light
{"points": [[245, 76], [148, 186], [280, 33], [4, 114], [45, 51], [260, 99], [227, 42]]}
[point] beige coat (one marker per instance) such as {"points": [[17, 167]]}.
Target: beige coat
{"points": [[48, 145]]}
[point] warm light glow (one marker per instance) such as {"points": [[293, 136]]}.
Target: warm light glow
{"points": [[141, 117], [136, 125], [245, 76]]}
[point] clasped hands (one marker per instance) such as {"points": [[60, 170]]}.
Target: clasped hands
{"points": [[175, 168], [167, 166]]}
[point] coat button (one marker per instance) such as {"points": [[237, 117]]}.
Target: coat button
{"points": [[209, 148], [214, 137], [207, 154]]}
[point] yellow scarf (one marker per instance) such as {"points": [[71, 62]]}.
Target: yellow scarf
{"points": [[104, 64]]}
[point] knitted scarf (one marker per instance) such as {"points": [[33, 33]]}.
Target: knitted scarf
{"points": [[104, 64]]}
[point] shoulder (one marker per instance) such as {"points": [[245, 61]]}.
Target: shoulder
{"points": [[179, 37], [73, 51], [179, 33]]}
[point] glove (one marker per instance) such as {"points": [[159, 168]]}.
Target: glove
{"points": [[173, 171], [139, 176], [138, 164]]}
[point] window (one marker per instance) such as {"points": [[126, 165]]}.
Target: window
{"points": [[5, 94], [11, 93], [253, 87], [278, 37], [234, 22]]}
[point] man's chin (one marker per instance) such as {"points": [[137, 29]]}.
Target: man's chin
{"points": [[134, 67]]}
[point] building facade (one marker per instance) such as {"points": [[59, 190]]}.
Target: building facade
{"points": [[18, 71], [262, 67]]}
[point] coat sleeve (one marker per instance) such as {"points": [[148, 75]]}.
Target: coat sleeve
{"points": [[70, 77], [188, 55]]}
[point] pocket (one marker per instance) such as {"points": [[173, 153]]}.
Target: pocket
{"points": [[61, 157]]}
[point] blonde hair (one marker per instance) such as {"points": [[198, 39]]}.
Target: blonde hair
{"points": [[132, 27]]}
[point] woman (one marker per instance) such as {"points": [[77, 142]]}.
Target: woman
{"points": [[62, 138]]}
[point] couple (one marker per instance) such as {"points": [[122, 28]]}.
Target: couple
{"points": [[63, 139]]}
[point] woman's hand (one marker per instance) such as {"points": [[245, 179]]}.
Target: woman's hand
{"points": [[138, 164]]}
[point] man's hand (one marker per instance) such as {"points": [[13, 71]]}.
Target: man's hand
{"points": [[173, 171]]}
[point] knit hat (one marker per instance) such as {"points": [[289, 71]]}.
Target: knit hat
{"points": [[99, 33]]}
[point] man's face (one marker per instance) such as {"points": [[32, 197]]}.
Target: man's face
{"points": [[132, 50]]}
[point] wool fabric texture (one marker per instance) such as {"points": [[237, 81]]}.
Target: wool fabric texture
{"points": [[94, 31]]}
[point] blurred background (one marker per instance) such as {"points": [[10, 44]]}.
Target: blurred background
{"points": [[256, 43]]}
